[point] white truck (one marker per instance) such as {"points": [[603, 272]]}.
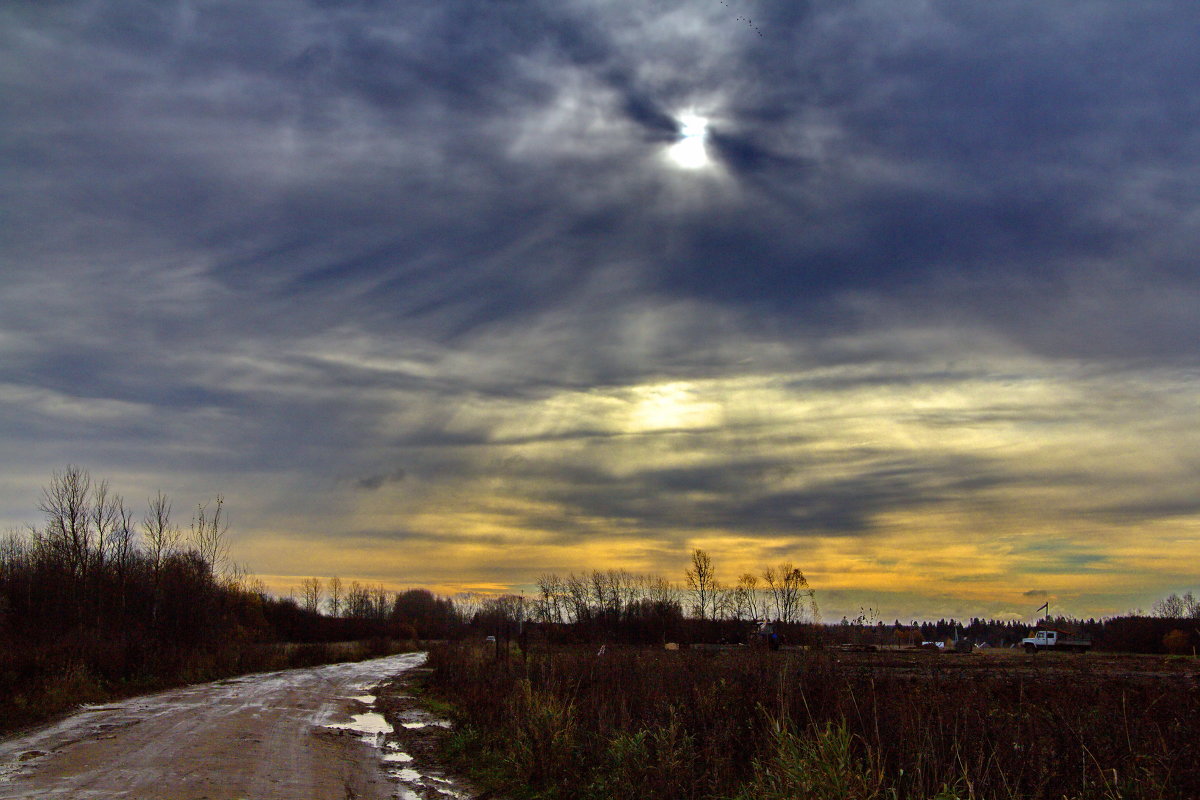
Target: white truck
{"points": [[1056, 640]]}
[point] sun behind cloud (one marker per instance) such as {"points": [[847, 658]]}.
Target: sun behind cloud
{"points": [[689, 150]]}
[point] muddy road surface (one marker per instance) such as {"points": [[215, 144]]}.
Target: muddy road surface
{"points": [[303, 733]]}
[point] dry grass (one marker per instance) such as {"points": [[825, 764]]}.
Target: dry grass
{"points": [[655, 724]]}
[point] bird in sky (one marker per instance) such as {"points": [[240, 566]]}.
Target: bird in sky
{"points": [[749, 22]]}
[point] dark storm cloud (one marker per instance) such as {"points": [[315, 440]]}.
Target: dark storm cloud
{"points": [[1007, 133], [748, 497], [1013, 131], [324, 237]]}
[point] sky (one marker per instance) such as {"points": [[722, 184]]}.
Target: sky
{"points": [[457, 293]]}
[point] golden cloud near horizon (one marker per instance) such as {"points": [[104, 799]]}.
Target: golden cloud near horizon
{"points": [[983, 483]]}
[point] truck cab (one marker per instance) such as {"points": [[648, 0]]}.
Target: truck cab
{"points": [[1055, 640]]}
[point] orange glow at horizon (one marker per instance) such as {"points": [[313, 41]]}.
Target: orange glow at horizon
{"points": [[516, 510]]}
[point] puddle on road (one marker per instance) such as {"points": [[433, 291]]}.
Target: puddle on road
{"points": [[411, 784], [371, 725]]}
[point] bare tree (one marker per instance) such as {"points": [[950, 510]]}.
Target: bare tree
{"points": [[209, 531], [746, 601], [359, 603], [65, 502], [628, 588], [14, 550], [122, 545], [660, 590], [310, 594], [335, 596], [724, 601], [467, 604], [793, 598], [381, 602], [577, 597], [701, 580], [102, 519], [161, 536], [612, 590], [550, 602], [1174, 606], [1170, 607]]}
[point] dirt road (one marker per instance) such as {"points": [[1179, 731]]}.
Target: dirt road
{"points": [[287, 735]]}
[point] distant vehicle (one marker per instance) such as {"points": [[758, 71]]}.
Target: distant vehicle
{"points": [[490, 640], [1056, 640]]}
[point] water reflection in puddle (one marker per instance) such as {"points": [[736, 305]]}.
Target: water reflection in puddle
{"points": [[374, 728], [371, 725], [408, 775]]}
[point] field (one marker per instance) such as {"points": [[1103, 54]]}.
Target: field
{"points": [[574, 722]]}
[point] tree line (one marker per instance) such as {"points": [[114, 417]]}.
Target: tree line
{"points": [[97, 600], [91, 570], [779, 593]]}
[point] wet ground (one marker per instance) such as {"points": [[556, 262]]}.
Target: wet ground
{"points": [[314, 733], [408, 738]]}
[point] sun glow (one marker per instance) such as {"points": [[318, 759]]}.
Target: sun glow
{"points": [[689, 151]]}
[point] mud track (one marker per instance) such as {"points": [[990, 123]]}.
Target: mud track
{"points": [[304, 733]]}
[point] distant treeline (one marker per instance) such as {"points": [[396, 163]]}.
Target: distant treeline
{"points": [[622, 607], [1127, 634]]}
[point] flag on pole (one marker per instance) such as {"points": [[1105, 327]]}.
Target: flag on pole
{"points": [[1045, 607]]}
